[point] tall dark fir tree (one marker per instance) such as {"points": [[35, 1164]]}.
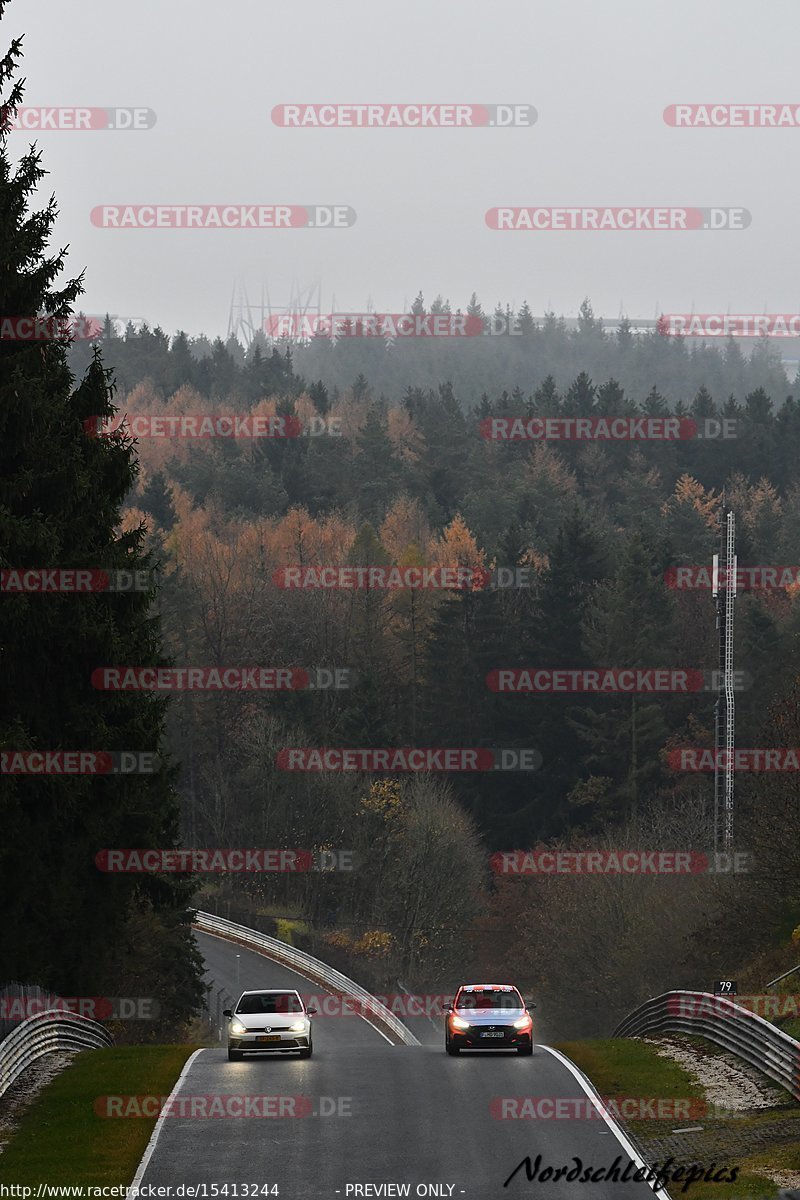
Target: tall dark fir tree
{"points": [[66, 924]]}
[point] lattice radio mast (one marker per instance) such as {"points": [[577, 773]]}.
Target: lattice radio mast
{"points": [[724, 591]]}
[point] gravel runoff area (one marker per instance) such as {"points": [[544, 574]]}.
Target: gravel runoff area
{"points": [[24, 1091], [727, 1081], [735, 1088]]}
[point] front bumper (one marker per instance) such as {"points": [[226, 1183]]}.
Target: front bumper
{"points": [[257, 1042], [495, 1037]]}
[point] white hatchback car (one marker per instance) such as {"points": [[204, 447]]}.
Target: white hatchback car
{"points": [[269, 1021]]}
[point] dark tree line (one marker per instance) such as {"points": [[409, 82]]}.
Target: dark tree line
{"points": [[66, 925]]}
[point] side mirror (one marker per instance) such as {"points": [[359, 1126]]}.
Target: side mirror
{"points": [[227, 1012], [311, 1012], [448, 1006], [530, 1004]]}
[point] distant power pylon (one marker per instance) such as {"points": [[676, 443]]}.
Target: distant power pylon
{"points": [[246, 319], [724, 591]]}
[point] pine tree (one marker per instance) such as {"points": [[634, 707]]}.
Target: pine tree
{"points": [[765, 654], [319, 396], [703, 405], [156, 498], [576, 565], [445, 462], [547, 402], [588, 323], [611, 399], [360, 387], [61, 490], [655, 405], [474, 309], [525, 321], [581, 396], [624, 335], [376, 473], [624, 734]]}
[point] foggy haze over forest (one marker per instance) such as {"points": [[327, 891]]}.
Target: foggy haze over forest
{"points": [[598, 76]]}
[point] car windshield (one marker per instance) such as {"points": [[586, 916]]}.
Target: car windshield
{"points": [[489, 998], [270, 1002]]}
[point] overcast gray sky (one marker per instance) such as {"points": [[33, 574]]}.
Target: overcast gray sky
{"points": [[599, 76]]}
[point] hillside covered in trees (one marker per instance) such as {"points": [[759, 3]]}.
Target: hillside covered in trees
{"points": [[597, 528]]}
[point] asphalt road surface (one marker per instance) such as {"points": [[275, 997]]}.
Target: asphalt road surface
{"points": [[363, 1113]]}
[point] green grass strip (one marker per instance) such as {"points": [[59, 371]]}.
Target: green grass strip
{"points": [[62, 1140]]}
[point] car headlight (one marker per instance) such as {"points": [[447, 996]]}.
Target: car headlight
{"points": [[457, 1023], [523, 1023], [298, 1027], [237, 1027]]}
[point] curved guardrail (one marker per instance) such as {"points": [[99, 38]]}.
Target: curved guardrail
{"points": [[313, 968], [42, 1034], [727, 1024]]}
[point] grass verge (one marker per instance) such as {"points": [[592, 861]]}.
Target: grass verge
{"points": [[62, 1140]]}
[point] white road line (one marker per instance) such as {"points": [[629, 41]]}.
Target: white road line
{"points": [[154, 1136], [617, 1130], [363, 1018], [294, 971], [427, 1014]]}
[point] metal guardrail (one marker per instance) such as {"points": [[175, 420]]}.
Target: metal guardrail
{"points": [[725, 1023], [309, 966], [42, 1034]]}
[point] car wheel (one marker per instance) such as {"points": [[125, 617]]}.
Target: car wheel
{"points": [[234, 1055], [526, 1050], [306, 1053], [451, 1049]]}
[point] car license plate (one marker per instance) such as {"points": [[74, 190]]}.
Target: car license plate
{"points": [[492, 1033], [272, 1037]]}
